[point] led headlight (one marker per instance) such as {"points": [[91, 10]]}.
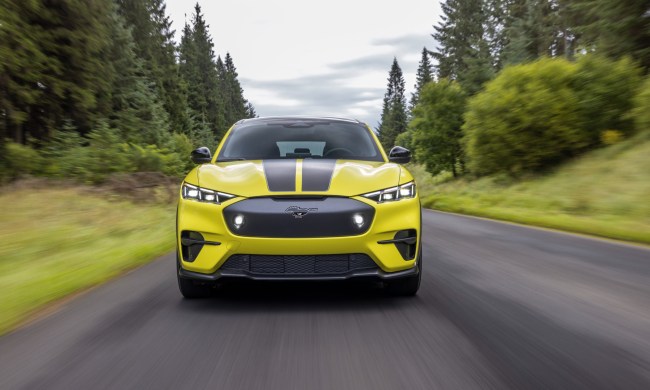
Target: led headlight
{"points": [[204, 195], [404, 191]]}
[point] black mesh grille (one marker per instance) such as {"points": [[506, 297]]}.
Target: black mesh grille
{"points": [[299, 265]]}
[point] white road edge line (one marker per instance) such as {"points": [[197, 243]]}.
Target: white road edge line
{"points": [[550, 230]]}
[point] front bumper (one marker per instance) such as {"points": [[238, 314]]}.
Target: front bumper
{"points": [[208, 220], [375, 274]]}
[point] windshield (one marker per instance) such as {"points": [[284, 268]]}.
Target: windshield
{"points": [[300, 139]]}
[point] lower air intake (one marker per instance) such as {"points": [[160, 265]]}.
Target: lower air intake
{"points": [[299, 265]]}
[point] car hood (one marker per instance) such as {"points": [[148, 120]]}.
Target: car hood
{"points": [[291, 177]]}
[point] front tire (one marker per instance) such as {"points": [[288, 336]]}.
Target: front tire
{"points": [[409, 286], [189, 288]]}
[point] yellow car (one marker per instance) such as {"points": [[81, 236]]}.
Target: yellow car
{"points": [[295, 198]]}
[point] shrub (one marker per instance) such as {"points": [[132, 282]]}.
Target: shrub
{"points": [[106, 154], [181, 146], [65, 155], [94, 158], [536, 115], [405, 140], [152, 159], [640, 114], [605, 91], [524, 120], [21, 160]]}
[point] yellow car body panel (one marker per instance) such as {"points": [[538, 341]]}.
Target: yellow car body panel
{"points": [[350, 178], [208, 220]]}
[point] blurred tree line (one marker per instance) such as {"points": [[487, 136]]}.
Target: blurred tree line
{"points": [[517, 86], [100, 86]]}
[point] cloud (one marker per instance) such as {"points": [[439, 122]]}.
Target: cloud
{"points": [[379, 62], [406, 48], [352, 88], [406, 44], [321, 94]]}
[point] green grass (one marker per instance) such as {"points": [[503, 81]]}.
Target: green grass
{"points": [[59, 241], [604, 193]]}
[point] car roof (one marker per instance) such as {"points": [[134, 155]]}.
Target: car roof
{"points": [[297, 118]]}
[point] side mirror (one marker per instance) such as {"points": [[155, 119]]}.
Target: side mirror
{"points": [[201, 155], [399, 155]]}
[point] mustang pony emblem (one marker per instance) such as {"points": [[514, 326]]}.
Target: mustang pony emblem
{"points": [[299, 212]]}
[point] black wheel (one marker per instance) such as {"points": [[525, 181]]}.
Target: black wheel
{"points": [[408, 286], [191, 289]]}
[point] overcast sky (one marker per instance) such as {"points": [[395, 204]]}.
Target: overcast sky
{"points": [[317, 58]]}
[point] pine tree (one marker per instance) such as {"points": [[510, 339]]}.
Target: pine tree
{"points": [[616, 28], [496, 18], [134, 108], [224, 94], [236, 105], [21, 65], [199, 71], [464, 52], [250, 110], [531, 33], [393, 117], [166, 70], [423, 76], [50, 64], [538, 28]]}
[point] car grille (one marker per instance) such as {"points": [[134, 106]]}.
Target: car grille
{"points": [[298, 217], [299, 265]]}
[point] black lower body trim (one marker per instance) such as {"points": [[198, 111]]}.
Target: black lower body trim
{"points": [[191, 241], [376, 274], [284, 265]]}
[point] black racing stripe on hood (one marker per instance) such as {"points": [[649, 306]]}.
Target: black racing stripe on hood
{"points": [[280, 174], [317, 174]]}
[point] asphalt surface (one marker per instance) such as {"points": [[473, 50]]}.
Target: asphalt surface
{"points": [[501, 306]]}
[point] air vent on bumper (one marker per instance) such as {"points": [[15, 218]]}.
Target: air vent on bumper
{"points": [[405, 241]]}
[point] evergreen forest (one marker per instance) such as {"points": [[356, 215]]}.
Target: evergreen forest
{"points": [[93, 87]]}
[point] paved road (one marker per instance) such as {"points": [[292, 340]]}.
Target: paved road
{"points": [[501, 306]]}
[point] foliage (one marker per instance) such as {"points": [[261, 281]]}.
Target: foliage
{"points": [[605, 90], [437, 123], [181, 146], [198, 68], [94, 88], [423, 76], [611, 137], [603, 192], [51, 64], [65, 154], [95, 158], [538, 28], [536, 115], [406, 140], [21, 160], [154, 45], [236, 107], [615, 28], [393, 116], [134, 106], [465, 45], [525, 119], [640, 114]]}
